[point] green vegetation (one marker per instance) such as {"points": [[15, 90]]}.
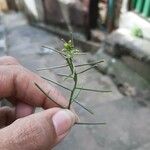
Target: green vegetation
{"points": [[137, 32], [68, 53]]}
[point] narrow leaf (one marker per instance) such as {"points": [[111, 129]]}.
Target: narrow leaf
{"points": [[91, 124], [53, 49], [87, 109], [56, 83], [92, 90], [87, 69], [87, 64], [64, 75], [66, 65], [55, 67], [47, 95], [80, 54]]}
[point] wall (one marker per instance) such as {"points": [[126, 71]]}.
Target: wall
{"points": [[76, 10], [33, 9], [49, 11]]}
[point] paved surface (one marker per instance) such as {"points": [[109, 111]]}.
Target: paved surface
{"points": [[2, 38], [128, 123]]}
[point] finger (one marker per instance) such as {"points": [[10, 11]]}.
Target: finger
{"points": [[8, 60], [23, 110], [18, 83], [39, 131], [7, 116]]}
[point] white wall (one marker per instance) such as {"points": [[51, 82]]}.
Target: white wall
{"points": [[124, 6], [31, 6]]}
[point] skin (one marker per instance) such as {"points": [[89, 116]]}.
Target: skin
{"points": [[19, 127]]}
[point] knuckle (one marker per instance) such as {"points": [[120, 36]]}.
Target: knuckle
{"points": [[9, 60], [5, 110]]}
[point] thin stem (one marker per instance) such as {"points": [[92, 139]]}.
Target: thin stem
{"points": [[87, 69], [53, 49], [77, 95], [75, 78], [88, 123], [55, 67], [48, 95], [80, 54], [87, 64], [59, 104], [72, 39], [92, 90], [55, 101], [70, 64], [90, 111], [84, 89], [66, 65], [64, 75], [56, 83]]}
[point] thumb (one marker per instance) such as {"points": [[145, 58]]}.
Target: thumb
{"points": [[40, 131]]}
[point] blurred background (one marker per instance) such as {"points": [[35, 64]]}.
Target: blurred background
{"points": [[117, 31]]}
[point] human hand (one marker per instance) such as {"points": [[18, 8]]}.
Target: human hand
{"points": [[20, 129]]}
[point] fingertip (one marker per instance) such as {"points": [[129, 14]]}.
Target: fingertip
{"points": [[63, 120]]}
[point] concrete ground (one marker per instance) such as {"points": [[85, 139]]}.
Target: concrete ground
{"points": [[128, 123]]}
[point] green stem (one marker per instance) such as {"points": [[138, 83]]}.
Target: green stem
{"points": [[90, 111], [93, 63], [55, 67], [55, 101], [88, 123], [75, 78], [56, 83], [86, 69], [64, 75], [92, 90], [70, 64], [53, 49], [71, 96], [77, 95], [66, 65], [80, 54]]}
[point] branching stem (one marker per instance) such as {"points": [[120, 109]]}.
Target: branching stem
{"points": [[56, 83], [66, 65], [68, 54], [48, 96]]}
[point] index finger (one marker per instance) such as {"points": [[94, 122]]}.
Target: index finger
{"points": [[18, 83]]}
